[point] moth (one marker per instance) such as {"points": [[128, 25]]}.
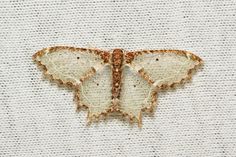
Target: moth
{"points": [[117, 80]]}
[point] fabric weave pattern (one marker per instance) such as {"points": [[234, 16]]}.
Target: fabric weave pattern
{"points": [[37, 118]]}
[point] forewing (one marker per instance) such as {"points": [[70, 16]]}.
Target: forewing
{"points": [[69, 64], [163, 67]]}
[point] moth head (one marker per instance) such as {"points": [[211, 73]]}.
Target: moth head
{"points": [[117, 57], [118, 51]]}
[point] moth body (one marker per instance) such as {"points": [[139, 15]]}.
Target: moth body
{"points": [[117, 62]]}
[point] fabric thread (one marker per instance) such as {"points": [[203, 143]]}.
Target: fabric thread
{"points": [[37, 118]]}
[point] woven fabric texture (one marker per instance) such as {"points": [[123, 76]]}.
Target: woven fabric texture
{"points": [[37, 118]]}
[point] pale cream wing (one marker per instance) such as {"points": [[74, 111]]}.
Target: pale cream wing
{"points": [[69, 64], [95, 93], [136, 94], [87, 70], [164, 67], [146, 72]]}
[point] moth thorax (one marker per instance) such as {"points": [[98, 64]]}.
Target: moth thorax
{"points": [[117, 57]]}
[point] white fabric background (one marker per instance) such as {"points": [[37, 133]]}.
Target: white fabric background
{"points": [[38, 119]]}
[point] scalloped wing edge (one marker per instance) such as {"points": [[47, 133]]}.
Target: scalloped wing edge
{"points": [[131, 55]]}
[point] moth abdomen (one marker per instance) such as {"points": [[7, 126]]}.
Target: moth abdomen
{"points": [[117, 62]]}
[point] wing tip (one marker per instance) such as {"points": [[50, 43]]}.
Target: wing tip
{"points": [[39, 53], [194, 57]]}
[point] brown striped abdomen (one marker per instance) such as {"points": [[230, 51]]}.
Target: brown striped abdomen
{"points": [[117, 61]]}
